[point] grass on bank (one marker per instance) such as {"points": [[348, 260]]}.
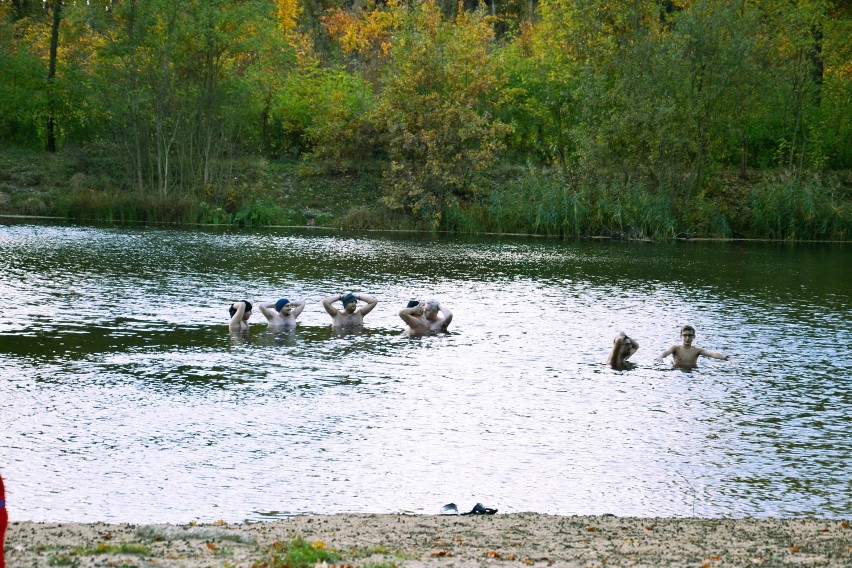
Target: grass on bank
{"points": [[776, 207], [513, 199], [298, 553]]}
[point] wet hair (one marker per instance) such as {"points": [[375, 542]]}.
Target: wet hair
{"points": [[281, 303], [687, 328], [348, 298], [232, 310], [432, 305], [412, 303]]}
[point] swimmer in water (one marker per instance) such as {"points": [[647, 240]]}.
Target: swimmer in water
{"points": [[413, 315], [240, 314], [622, 349], [686, 354], [438, 315], [351, 318], [283, 313]]}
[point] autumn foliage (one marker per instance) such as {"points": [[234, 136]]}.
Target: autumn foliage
{"points": [[431, 101]]}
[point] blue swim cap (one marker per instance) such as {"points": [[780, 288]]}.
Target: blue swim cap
{"points": [[348, 298], [281, 303]]}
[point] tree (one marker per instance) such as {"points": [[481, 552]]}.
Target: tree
{"points": [[55, 7], [433, 110]]}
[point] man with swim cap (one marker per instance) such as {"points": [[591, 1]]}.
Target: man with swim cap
{"points": [[240, 314], [413, 315], [283, 313], [351, 318]]}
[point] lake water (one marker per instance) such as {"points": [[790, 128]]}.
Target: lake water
{"points": [[124, 397]]}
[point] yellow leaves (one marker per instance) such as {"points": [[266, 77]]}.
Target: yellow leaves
{"points": [[318, 545], [362, 32], [288, 14]]}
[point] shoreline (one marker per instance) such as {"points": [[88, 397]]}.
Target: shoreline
{"points": [[385, 540], [334, 229]]}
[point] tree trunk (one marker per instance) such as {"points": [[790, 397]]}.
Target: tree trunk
{"points": [[56, 5]]}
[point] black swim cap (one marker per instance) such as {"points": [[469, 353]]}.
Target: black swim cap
{"points": [[232, 310]]}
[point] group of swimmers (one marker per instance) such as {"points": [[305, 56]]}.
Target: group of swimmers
{"points": [[422, 316], [425, 317], [683, 355]]}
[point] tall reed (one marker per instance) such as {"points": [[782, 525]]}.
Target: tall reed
{"points": [[786, 208]]}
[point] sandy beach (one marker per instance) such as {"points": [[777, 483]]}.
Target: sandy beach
{"points": [[518, 539]]}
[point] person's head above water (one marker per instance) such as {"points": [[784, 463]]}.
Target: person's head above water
{"points": [[412, 303], [348, 299], [281, 303], [232, 310]]}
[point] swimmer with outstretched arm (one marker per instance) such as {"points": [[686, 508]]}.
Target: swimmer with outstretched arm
{"points": [[351, 318], [283, 313], [240, 314], [686, 354]]}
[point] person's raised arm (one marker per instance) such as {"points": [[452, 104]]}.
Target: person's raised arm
{"points": [[326, 303], [237, 319], [268, 310], [371, 303], [448, 316], [614, 354], [298, 306], [411, 317]]}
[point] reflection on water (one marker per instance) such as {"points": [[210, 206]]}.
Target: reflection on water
{"points": [[124, 396]]}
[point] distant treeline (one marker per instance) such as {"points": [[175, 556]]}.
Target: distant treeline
{"points": [[568, 117]]}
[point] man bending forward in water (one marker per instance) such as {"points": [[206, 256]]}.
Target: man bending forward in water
{"points": [[351, 318]]}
